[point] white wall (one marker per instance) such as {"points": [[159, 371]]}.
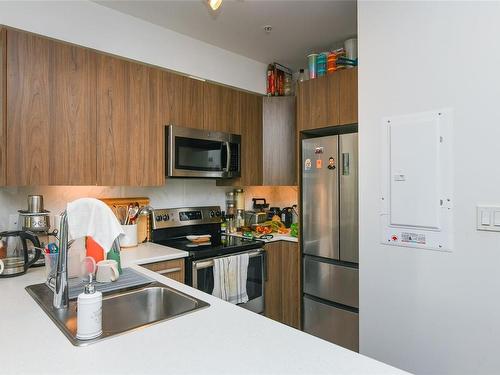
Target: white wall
{"points": [[424, 311], [92, 25]]}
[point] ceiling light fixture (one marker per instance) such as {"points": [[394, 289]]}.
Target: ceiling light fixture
{"points": [[214, 4]]}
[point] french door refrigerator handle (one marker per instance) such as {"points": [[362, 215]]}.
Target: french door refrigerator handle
{"points": [[345, 164]]}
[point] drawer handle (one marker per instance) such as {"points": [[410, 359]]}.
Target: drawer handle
{"points": [[169, 270]]}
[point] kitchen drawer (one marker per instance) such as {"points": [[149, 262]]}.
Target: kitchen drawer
{"points": [[331, 323], [331, 282], [173, 269]]}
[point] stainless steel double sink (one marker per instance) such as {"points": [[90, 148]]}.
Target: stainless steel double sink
{"points": [[122, 311]]}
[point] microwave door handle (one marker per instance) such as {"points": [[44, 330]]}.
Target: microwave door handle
{"points": [[228, 153]]}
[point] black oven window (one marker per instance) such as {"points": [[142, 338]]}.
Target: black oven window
{"points": [[199, 154], [254, 278]]}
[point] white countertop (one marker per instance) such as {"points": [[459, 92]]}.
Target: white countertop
{"points": [[221, 339], [148, 253], [276, 237]]}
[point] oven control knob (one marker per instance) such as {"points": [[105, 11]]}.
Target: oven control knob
{"points": [[165, 217], [212, 213], [158, 218], [217, 213]]}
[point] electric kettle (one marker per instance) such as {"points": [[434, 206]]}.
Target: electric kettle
{"points": [[14, 260]]}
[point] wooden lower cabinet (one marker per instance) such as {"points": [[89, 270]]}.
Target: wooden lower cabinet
{"points": [[173, 269], [282, 287]]}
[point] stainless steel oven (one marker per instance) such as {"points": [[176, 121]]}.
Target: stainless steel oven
{"points": [[203, 278], [201, 153]]}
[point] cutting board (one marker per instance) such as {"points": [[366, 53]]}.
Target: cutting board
{"points": [[143, 224]]}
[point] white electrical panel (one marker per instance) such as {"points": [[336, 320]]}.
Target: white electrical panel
{"points": [[416, 200]]}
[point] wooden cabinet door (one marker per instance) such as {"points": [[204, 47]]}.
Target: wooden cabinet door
{"points": [[251, 139], [304, 118], [250, 118], [28, 100], [51, 124], [333, 100], [348, 96], [72, 137], [129, 133], [181, 101], [221, 109], [279, 142], [290, 265], [273, 284], [173, 269], [3, 109]]}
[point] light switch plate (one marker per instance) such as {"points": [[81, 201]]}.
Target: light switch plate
{"points": [[488, 218]]}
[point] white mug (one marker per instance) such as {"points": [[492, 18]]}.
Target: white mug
{"points": [[107, 271], [1, 266]]}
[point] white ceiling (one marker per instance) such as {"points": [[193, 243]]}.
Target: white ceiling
{"points": [[299, 27]]}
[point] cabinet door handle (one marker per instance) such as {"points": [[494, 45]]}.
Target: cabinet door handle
{"points": [[169, 270]]}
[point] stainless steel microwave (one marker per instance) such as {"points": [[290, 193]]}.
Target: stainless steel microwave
{"points": [[202, 153]]}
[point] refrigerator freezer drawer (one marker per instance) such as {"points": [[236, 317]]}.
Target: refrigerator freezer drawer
{"points": [[332, 324], [331, 282]]}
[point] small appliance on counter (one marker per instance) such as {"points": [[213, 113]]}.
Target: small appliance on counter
{"points": [[287, 216], [14, 260], [35, 218], [258, 215], [37, 221], [260, 204], [252, 217]]}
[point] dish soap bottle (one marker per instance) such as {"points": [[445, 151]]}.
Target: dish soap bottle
{"points": [[89, 313]]}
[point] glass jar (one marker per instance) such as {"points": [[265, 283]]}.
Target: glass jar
{"points": [[239, 199]]}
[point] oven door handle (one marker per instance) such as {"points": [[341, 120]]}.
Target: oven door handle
{"points": [[264, 263], [206, 263]]}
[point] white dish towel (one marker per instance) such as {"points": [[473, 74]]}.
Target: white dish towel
{"points": [[92, 217], [230, 278]]}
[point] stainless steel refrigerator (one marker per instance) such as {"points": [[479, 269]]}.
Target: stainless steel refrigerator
{"points": [[330, 238]]}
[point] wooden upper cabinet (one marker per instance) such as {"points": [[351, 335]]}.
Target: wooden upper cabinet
{"points": [[251, 137], [348, 96], [221, 109], [3, 101], [333, 100], [28, 100], [50, 112], [328, 101], [129, 131], [72, 87], [181, 101], [279, 124]]}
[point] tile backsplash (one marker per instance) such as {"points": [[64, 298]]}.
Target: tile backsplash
{"points": [[175, 193]]}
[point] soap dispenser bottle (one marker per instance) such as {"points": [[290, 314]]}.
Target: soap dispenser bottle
{"points": [[89, 313]]}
